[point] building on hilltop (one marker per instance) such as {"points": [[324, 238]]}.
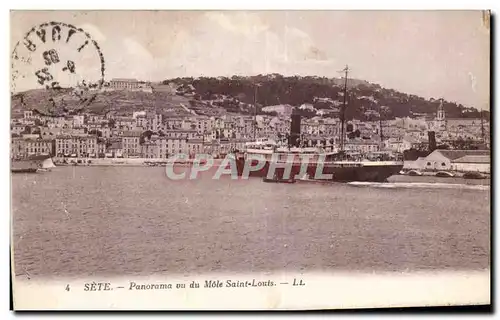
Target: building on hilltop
{"points": [[119, 83], [129, 84]]}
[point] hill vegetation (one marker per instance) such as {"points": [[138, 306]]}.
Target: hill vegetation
{"points": [[213, 96], [365, 100]]}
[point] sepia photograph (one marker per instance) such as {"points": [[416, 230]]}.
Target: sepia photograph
{"points": [[249, 160]]}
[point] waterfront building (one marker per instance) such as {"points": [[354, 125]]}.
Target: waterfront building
{"points": [[195, 146], [150, 149], [131, 143], [480, 163], [101, 148], [456, 160], [76, 146], [115, 149], [175, 145], [23, 147]]}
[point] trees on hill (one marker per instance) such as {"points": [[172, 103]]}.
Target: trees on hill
{"points": [[267, 90]]}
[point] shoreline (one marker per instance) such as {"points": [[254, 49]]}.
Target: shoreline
{"points": [[141, 162], [159, 162]]}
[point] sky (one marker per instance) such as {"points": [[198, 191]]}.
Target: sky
{"points": [[439, 54]]}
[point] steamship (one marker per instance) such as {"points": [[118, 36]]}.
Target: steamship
{"points": [[294, 161]]}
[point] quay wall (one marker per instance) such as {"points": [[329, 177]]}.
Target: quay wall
{"points": [[119, 161]]}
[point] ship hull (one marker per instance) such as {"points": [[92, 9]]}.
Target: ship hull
{"points": [[23, 170], [340, 172], [31, 164]]}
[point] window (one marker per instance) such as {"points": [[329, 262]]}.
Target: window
{"points": [[443, 164], [428, 163]]}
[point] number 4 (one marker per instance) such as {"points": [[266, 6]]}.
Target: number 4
{"points": [[67, 287]]}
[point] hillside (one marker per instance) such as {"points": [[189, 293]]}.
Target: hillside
{"points": [[60, 102], [214, 96], [365, 100]]}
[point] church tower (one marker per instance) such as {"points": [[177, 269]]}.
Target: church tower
{"points": [[440, 112], [441, 117]]}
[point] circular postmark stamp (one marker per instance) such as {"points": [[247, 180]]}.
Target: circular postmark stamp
{"points": [[61, 59]]}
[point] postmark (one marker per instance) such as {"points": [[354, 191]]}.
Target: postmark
{"points": [[63, 60]]}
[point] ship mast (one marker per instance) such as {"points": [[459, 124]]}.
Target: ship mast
{"points": [[342, 115], [482, 128], [380, 125]]}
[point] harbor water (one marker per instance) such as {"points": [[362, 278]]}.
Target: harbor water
{"points": [[100, 221]]}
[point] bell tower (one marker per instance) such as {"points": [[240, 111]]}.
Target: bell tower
{"points": [[440, 112]]}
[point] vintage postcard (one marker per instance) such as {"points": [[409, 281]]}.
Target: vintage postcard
{"points": [[250, 160]]}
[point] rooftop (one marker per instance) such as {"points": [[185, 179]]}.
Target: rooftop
{"points": [[362, 142], [123, 80], [196, 140], [131, 134], [456, 154], [67, 136], [115, 146], [473, 159], [179, 131]]}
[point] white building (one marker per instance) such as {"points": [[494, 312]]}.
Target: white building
{"points": [[120, 84], [455, 160], [129, 84]]}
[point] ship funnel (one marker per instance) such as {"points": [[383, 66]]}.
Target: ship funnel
{"points": [[294, 140], [432, 140]]}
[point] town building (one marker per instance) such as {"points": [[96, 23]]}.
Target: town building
{"points": [[454, 160], [76, 146], [362, 146], [23, 147], [186, 134], [195, 146], [131, 146], [115, 149]]}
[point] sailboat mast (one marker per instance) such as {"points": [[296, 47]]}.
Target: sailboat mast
{"points": [[255, 113], [343, 110]]}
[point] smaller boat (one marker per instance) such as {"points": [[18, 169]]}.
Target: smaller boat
{"points": [[444, 174], [277, 180], [31, 164], [305, 177], [24, 170], [415, 173], [474, 175]]}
